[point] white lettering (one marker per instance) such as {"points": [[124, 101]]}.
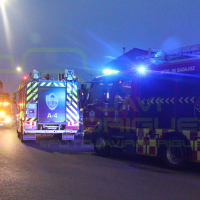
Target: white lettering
{"points": [[52, 115]]}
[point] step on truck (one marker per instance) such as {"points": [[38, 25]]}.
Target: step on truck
{"points": [[47, 107], [152, 109]]}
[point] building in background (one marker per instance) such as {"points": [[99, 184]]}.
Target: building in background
{"points": [[127, 60]]}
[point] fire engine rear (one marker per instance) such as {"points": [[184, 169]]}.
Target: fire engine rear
{"points": [[46, 106]]}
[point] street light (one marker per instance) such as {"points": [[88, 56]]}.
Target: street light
{"points": [[17, 69]]}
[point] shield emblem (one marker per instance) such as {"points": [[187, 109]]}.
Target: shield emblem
{"points": [[52, 101], [92, 115]]}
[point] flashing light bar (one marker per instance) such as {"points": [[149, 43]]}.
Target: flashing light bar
{"points": [[110, 71]]}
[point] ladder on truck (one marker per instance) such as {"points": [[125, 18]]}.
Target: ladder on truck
{"points": [[156, 56]]}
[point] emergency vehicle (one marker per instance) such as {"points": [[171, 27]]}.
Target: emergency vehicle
{"points": [[46, 106], [153, 109], [6, 115]]}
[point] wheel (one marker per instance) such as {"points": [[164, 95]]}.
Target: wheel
{"points": [[174, 155], [101, 145]]}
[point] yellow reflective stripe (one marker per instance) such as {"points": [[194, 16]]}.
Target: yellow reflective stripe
{"points": [[48, 84], [74, 98], [75, 105], [32, 119], [75, 92], [62, 84], [42, 84], [68, 85], [75, 86], [28, 85], [35, 97], [29, 90], [75, 112], [68, 98], [70, 113], [56, 84], [69, 118], [33, 93], [35, 85]]}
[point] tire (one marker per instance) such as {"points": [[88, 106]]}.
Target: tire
{"points": [[101, 146], [174, 155]]}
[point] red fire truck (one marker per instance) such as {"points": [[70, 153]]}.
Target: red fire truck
{"points": [[152, 109]]}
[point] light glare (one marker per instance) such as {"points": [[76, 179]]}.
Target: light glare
{"points": [[141, 69], [19, 69], [110, 71]]}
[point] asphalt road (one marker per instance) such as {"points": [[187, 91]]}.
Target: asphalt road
{"points": [[47, 169]]}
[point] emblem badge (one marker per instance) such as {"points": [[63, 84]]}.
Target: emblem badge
{"points": [[52, 101], [92, 115]]}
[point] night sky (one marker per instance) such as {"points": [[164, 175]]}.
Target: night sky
{"points": [[95, 30]]}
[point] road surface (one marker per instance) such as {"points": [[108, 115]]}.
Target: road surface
{"points": [[47, 169]]}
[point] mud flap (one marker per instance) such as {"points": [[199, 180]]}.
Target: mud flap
{"points": [[29, 136]]}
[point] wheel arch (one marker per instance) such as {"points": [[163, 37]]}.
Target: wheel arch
{"points": [[182, 137]]}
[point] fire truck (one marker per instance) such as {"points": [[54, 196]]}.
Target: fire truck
{"points": [[153, 109], [6, 112], [47, 107]]}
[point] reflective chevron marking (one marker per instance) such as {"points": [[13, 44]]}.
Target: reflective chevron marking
{"points": [[72, 103], [186, 100], [62, 85], [152, 101], [192, 99], [172, 100], [42, 84], [181, 100], [32, 94], [157, 100], [143, 101]]}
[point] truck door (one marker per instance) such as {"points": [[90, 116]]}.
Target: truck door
{"points": [[93, 113], [123, 112]]}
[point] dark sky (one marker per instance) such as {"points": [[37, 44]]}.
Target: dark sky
{"points": [[95, 29]]}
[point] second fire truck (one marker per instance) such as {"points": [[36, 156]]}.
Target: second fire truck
{"points": [[152, 109]]}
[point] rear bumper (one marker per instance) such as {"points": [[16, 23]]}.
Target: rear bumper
{"points": [[50, 131]]}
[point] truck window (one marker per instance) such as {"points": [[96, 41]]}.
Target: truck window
{"points": [[123, 89], [97, 93]]}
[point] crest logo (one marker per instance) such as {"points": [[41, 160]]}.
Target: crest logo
{"points": [[92, 115], [52, 101]]}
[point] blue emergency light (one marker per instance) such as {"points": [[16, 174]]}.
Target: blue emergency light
{"points": [[141, 69]]}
